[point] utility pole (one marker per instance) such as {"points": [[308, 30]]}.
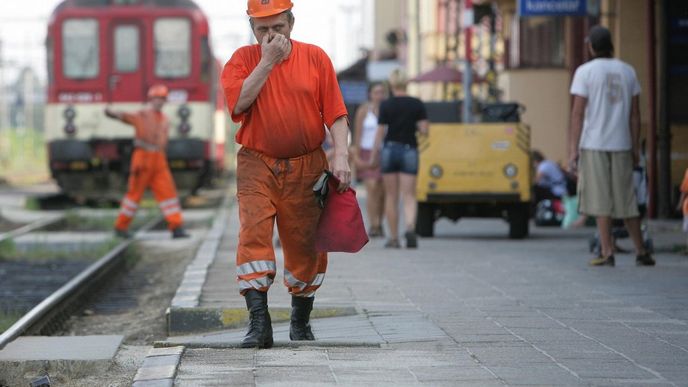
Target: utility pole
{"points": [[468, 68]]}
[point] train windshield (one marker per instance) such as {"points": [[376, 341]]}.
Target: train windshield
{"points": [[172, 47], [80, 48]]}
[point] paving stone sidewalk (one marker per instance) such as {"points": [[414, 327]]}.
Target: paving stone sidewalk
{"points": [[469, 307]]}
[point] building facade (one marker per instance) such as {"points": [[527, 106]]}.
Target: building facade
{"points": [[534, 58]]}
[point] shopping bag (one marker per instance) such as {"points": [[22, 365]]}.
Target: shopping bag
{"points": [[570, 211], [340, 228]]}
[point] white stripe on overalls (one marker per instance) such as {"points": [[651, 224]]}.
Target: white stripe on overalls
{"points": [[255, 267], [293, 282], [170, 206], [258, 283]]}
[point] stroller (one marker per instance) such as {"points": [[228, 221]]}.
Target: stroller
{"points": [[618, 229], [549, 212]]}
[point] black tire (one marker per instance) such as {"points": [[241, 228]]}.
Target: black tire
{"points": [[518, 221], [425, 220]]}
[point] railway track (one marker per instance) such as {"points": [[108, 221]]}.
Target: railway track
{"points": [[48, 316], [33, 226]]}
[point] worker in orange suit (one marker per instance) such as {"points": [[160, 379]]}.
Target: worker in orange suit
{"points": [[284, 93], [149, 165]]}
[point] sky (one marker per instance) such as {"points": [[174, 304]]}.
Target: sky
{"points": [[340, 27]]}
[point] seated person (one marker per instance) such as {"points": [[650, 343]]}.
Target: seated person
{"points": [[550, 181]]}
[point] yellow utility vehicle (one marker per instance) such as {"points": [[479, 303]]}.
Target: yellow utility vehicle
{"points": [[476, 170]]}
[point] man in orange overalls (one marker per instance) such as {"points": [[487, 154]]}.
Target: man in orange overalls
{"points": [[284, 93], [149, 165]]}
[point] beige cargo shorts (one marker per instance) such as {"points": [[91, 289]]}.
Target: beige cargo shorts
{"points": [[605, 184]]}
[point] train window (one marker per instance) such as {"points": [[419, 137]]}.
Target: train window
{"points": [[127, 48], [206, 60], [50, 58], [172, 47], [80, 48]]}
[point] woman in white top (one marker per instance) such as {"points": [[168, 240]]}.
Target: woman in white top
{"points": [[365, 127]]}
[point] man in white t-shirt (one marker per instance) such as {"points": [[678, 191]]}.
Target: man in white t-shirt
{"points": [[605, 125]]}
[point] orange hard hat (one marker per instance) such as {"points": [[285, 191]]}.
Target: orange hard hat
{"points": [[265, 8], [158, 91]]}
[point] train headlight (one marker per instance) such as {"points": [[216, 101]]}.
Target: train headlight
{"points": [[184, 128], [510, 171], [70, 129], [184, 112], [69, 115], [436, 171]]}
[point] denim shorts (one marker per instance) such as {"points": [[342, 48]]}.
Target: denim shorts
{"points": [[399, 158]]}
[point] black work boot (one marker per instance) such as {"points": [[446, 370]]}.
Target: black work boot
{"points": [[259, 333], [300, 328], [179, 232], [124, 234]]}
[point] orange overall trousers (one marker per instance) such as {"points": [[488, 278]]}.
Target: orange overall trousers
{"points": [[270, 189], [150, 169]]}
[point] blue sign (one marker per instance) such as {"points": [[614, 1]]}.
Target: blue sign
{"points": [[553, 7], [354, 92]]}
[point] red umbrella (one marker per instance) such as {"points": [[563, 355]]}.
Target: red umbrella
{"points": [[444, 73]]}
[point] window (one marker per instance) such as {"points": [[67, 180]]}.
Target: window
{"points": [[127, 49], [537, 42], [50, 58], [206, 61], [172, 48], [80, 48]]}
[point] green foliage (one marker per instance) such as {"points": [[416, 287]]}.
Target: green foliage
{"points": [[23, 155]]}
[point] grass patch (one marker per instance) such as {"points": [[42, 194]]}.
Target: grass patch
{"points": [[77, 252], [74, 222], [7, 247], [7, 319], [32, 203]]}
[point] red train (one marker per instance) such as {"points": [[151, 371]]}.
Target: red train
{"points": [[109, 52]]}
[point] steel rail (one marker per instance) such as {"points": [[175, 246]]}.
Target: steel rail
{"points": [[62, 297], [29, 227]]}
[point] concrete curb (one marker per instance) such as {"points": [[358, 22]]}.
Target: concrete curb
{"points": [[184, 321], [277, 344], [189, 291], [159, 367]]}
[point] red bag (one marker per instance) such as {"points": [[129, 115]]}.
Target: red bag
{"points": [[340, 228]]}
